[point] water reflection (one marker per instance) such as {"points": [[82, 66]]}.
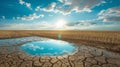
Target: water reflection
{"points": [[39, 46], [48, 47]]}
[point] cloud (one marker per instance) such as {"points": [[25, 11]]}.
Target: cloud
{"points": [[50, 15], [17, 18], [28, 5], [37, 8], [67, 6], [32, 17], [3, 17], [83, 23], [89, 25], [110, 15], [21, 2], [50, 8], [31, 26]]}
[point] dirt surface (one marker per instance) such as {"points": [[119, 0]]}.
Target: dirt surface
{"points": [[85, 57]]}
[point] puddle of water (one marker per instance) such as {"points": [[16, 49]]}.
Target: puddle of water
{"points": [[48, 47], [40, 46]]}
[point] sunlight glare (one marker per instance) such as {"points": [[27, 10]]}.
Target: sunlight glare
{"points": [[60, 23]]}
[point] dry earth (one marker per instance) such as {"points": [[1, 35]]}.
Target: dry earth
{"points": [[85, 57]]}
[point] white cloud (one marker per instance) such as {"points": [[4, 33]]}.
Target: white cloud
{"points": [[32, 17], [50, 8], [50, 15], [28, 5], [110, 15], [83, 23], [25, 26], [21, 2], [61, 0], [25, 3], [17, 18], [3, 17], [37, 8], [67, 6], [82, 5], [94, 26]]}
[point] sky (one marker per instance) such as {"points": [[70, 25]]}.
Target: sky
{"points": [[60, 15]]}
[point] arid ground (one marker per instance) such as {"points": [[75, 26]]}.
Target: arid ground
{"points": [[105, 51]]}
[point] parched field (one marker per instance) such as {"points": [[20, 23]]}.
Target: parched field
{"points": [[109, 40]]}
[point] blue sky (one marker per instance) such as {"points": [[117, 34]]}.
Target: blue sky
{"points": [[60, 15]]}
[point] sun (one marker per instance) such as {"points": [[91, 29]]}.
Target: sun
{"points": [[60, 23]]}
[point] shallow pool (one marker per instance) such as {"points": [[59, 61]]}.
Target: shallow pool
{"points": [[39, 46], [48, 47]]}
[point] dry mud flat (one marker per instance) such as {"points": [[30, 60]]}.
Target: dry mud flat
{"points": [[85, 57]]}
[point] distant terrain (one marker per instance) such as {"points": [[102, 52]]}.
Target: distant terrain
{"points": [[109, 40]]}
